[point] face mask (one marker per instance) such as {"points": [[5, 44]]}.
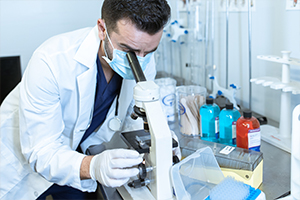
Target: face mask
{"points": [[120, 64]]}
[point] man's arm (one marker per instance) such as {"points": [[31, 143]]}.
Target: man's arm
{"points": [[85, 168], [44, 145]]}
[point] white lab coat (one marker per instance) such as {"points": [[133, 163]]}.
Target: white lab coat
{"points": [[44, 118]]}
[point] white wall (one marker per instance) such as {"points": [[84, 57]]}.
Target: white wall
{"points": [[26, 24]]}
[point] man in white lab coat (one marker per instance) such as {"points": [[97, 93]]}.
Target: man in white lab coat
{"points": [[66, 99]]}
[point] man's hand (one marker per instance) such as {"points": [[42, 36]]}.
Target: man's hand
{"points": [[112, 167]]}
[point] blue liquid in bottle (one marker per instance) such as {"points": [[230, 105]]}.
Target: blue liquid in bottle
{"points": [[209, 113], [228, 117]]}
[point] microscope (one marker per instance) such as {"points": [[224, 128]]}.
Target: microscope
{"points": [[154, 141]]}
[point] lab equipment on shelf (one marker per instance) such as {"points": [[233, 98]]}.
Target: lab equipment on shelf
{"points": [[228, 93], [177, 31], [190, 98], [186, 50], [209, 113], [227, 119], [248, 132], [280, 137]]}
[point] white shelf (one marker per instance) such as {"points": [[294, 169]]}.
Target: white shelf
{"points": [[276, 84], [281, 137], [289, 61]]}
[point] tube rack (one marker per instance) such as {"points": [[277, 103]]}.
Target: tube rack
{"points": [[280, 137]]}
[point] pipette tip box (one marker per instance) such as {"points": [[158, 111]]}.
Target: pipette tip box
{"points": [[230, 189]]}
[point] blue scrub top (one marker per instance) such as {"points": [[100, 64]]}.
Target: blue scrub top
{"points": [[105, 95]]}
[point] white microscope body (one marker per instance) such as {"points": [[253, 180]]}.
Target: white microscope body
{"points": [[146, 96], [160, 156]]}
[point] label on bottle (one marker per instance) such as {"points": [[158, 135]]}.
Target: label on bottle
{"points": [[217, 127], [233, 132], [254, 139], [200, 126]]}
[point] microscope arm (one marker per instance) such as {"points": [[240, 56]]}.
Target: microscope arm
{"points": [[146, 96], [160, 156]]}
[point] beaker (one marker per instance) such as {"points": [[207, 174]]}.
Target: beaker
{"points": [[189, 99], [167, 89]]}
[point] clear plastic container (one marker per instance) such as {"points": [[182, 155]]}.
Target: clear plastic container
{"points": [[239, 158], [196, 175], [167, 90], [189, 100]]}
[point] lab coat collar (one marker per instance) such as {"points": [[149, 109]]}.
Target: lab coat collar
{"points": [[88, 50]]}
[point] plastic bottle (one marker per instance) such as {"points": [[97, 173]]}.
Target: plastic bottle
{"points": [[228, 117], [209, 115], [248, 132]]}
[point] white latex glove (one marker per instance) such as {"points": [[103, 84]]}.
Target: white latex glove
{"points": [[176, 150], [111, 167]]}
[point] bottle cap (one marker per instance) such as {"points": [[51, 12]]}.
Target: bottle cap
{"points": [[229, 106], [247, 114], [209, 101]]}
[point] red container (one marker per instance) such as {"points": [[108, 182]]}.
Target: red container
{"points": [[248, 132]]}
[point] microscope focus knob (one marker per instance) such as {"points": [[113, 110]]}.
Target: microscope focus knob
{"points": [[142, 171]]}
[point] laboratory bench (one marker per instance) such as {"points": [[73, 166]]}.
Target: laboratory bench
{"points": [[276, 168]]}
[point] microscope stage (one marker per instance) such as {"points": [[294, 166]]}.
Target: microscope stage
{"points": [[140, 140]]}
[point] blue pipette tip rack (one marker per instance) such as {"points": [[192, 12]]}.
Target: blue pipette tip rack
{"points": [[230, 189]]}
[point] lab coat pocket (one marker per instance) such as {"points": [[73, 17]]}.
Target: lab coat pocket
{"points": [[12, 171]]}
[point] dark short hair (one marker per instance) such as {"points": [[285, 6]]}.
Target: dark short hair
{"points": [[149, 16]]}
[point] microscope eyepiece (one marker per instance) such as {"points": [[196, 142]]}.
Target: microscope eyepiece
{"points": [[135, 67]]}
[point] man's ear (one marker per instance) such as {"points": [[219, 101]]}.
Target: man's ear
{"points": [[101, 29]]}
